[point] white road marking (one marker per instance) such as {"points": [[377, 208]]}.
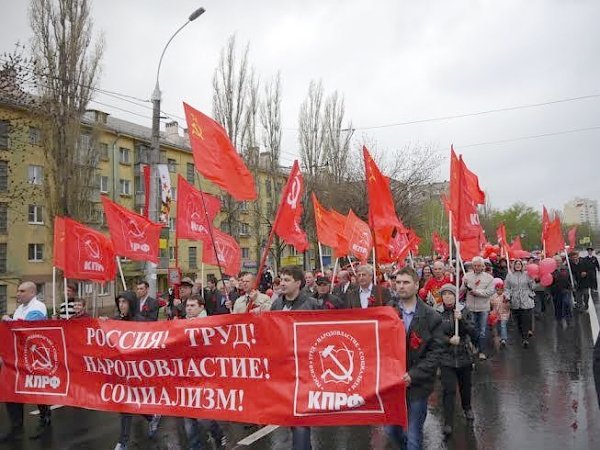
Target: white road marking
{"points": [[249, 440], [37, 411]]}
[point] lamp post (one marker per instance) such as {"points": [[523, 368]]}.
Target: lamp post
{"points": [[154, 193]]}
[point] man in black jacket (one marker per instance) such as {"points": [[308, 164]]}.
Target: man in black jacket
{"points": [[424, 347], [592, 261], [327, 300], [582, 272], [148, 306], [293, 299]]}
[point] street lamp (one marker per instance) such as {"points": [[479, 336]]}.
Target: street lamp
{"points": [[154, 193]]}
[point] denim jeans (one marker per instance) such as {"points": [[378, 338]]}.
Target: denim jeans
{"points": [[503, 326], [301, 438], [413, 439], [193, 429], [480, 319]]}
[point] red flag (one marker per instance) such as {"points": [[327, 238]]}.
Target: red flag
{"points": [[516, 244], [146, 172], [545, 224], [216, 158], [469, 248], [191, 218], [555, 242], [328, 224], [465, 194], [440, 246], [228, 252], [358, 235], [382, 214], [572, 234], [59, 242], [133, 235], [290, 212], [88, 254]]}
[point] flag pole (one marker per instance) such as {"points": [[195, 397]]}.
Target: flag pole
{"points": [[458, 258], [121, 273], [351, 265], [66, 298], [569, 266], [321, 258], [333, 275], [374, 267], [410, 258], [457, 284], [450, 237], [54, 290]]}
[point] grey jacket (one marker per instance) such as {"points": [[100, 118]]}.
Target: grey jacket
{"points": [[479, 289], [518, 288]]}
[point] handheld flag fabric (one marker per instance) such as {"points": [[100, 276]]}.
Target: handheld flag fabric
{"points": [[216, 158], [227, 250], [133, 235], [191, 218], [287, 221]]}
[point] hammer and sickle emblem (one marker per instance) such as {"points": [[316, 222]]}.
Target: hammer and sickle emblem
{"points": [[292, 198], [371, 176], [197, 130], [345, 373]]}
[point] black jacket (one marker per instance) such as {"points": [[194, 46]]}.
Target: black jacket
{"points": [[330, 301], [133, 314], [302, 302], [381, 297], [582, 272], [456, 356], [150, 309], [338, 291], [424, 347]]}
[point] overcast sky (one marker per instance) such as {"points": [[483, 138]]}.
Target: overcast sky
{"points": [[394, 61]]}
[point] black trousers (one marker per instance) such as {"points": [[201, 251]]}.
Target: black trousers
{"points": [[451, 377], [15, 413], [523, 318]]}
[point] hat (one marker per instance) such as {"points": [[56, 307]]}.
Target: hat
{"points": [[322, 280], [590, 249], [448, 288], [187, 281]]}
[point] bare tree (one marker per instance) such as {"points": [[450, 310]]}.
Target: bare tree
{"points": [[270, 118], [67, 64], [336, 137], [310, 129]]}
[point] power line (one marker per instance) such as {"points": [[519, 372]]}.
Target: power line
{"points": [[535, 136]]}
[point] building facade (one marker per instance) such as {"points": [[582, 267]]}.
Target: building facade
{"points": [[123, 149], [582, 211]]}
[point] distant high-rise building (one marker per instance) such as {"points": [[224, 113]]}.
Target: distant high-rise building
{"points": [[582, 211]]}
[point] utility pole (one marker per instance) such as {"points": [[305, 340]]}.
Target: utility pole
{"points": [[154, 160]]}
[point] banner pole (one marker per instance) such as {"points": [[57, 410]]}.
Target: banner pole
{"points": [[66, 297], [412, 261], [121, 273], [569, 267], [457, 285], [54, 290], [333, 275], [352, 265], [374, 267], [450, 237], [321, 258]]}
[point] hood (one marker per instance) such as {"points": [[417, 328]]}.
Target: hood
{"points": [[133, 303]]}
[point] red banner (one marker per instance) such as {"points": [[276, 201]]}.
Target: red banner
{"points": [[228, 252], [133, 235], [289, 214], [285, 368]]}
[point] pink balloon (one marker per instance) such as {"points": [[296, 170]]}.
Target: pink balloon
{"points": [[546, 279], [547, 266], [533, 270]]}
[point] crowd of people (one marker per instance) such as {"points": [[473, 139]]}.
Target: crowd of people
{"points": [[448, 323]]}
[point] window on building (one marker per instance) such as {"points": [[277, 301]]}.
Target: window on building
{"points": [[103, 151], [3, 176], [171, 224], [3, 299], [245, 253], [35, 214], [35, 174], [172, 253], [190, 173], [193, 257], [4, 134], [125, 187], [173, 194], [3, 257], [244, 206], [268, 188], [85, 141], [244, 229], [35, 252], [172, 164], [103, 184], [269, 207], [124, 155], [40, 288], [3, 218], [103, 289], [35, 136]]}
